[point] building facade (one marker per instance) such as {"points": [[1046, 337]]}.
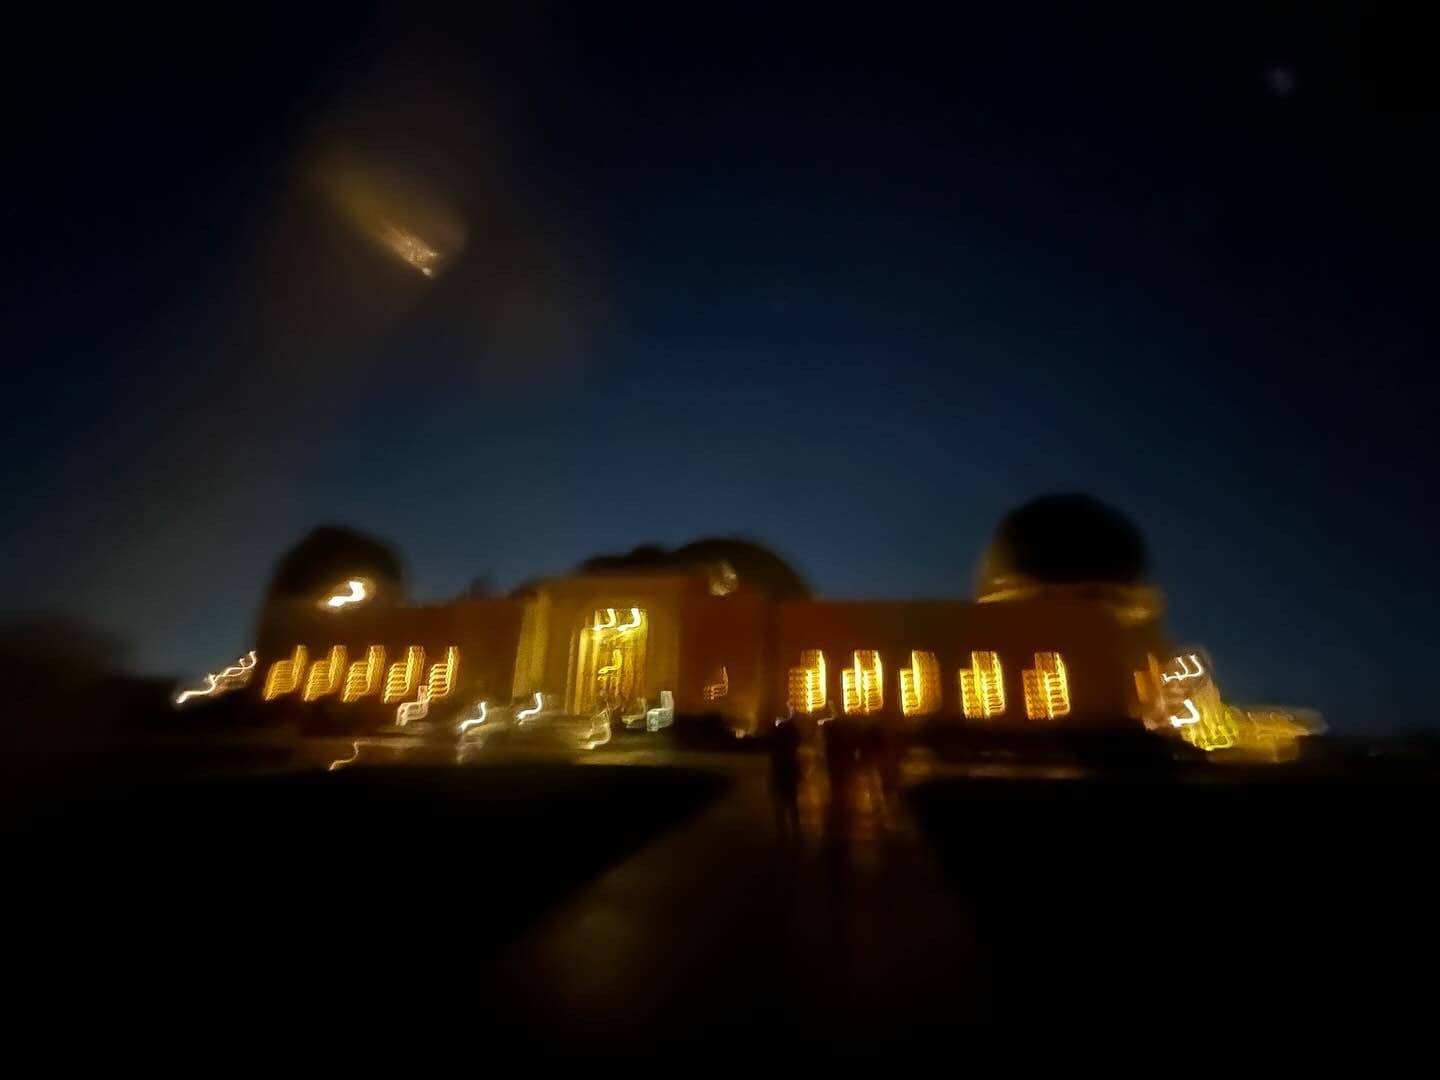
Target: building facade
{"points": [[625, 642]]}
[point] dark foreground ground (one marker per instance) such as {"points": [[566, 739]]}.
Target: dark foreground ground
{"points": [[582, 909]]}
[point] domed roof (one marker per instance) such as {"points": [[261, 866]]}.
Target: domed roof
{"points": [[1063, 540]]}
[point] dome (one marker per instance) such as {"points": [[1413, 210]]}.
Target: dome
{"points": [[1062, 540]]}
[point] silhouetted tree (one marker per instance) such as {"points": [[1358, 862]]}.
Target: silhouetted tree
{"points": [[43, 653], [636, 560], [754, 565], [64, 677], [480, 587]]}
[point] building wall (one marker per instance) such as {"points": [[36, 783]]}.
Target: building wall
{"points": [[513, 648], [731, 633], [1100, 652], [486, 632], [563, 609]]}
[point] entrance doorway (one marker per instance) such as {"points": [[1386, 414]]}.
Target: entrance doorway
{"points": [[610, 661]]}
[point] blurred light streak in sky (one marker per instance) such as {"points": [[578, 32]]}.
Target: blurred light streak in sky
{"points": [[413, 227]]}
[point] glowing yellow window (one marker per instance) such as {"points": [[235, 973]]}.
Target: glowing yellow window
{"points": [[442, 675], [363, 678], [805, 687], [325, 675], [982, 686], [1047, 688], [1181, 695], [403, 675], [864, 684], [920, 685], [284, 675]]}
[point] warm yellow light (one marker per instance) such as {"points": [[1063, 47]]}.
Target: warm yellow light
{"points": [[363, 677], [1180, 695], [410, 248], [284, 675], [1206, 722], [325, 675], [413, 710], [1184, 669], [610, 620], [805, 685], [481, 715], [355, 591], [442, 675], [920, 685], [1047, 687], [909, 696], [982, 686], [719, 689], [1188, 714], [797, 689], [205, 691], [340, 763], [401, 678], [872, 679], [864, 684], [817, 694], [234, 677]]}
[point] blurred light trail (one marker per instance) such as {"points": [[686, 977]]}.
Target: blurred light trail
{"points": [[340, 763], [525, 714], [396, 213], [232, 678], [354, 591], [472, 721], [413, 710]]}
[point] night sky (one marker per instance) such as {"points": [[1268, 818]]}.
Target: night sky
{"points": [[852, 283]]}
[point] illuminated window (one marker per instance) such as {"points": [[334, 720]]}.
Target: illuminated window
{"points": [[1204, 721], [1180, 696], [363, 677], [325, 675], [403, 675], [982, 686], [864, 684], [442, 675], [718, 689], [284, 675], [1047, 688], [806, 685], [610, 664], [920, 685]]}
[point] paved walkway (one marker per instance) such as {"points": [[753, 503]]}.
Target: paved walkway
{"points": [[723, 921]]}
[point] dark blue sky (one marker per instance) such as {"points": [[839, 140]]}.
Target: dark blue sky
{"points": [[853, 285]]}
